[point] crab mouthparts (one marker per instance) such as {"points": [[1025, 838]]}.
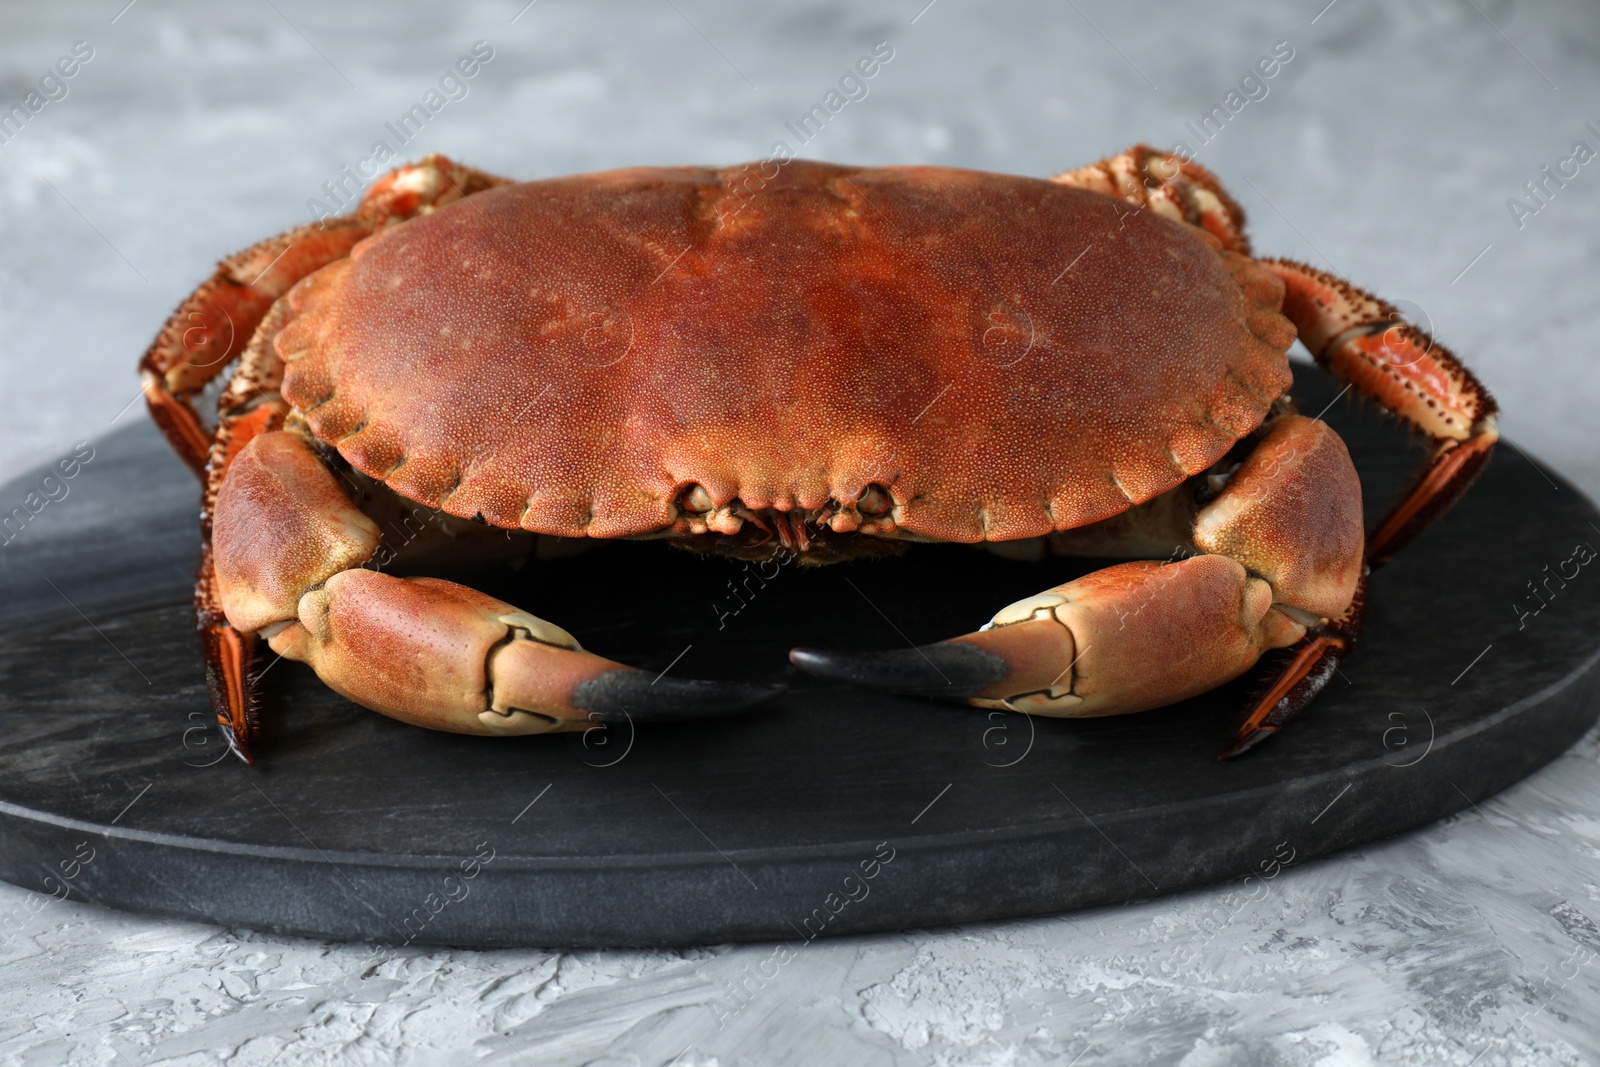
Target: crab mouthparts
{"points": [[860, 524], [789, 527]]}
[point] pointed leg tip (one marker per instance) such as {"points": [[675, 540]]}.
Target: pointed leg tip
{"points": [[1245, 742], [236, 744]]}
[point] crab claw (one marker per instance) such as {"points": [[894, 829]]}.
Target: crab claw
{"points": [[447, 657], [287, 567], [1085, 648]]}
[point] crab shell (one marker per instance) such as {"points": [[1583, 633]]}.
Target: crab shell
{"points": [[654, 351]]}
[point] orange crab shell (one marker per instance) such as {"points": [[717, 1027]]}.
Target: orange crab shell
{"points": [[1008, 356]]}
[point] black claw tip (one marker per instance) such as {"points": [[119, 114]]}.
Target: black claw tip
{"points": [[642, 697], [950, 670], [1245, 743]]}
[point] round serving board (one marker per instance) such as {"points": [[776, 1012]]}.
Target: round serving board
{"points": [[831, 811]]}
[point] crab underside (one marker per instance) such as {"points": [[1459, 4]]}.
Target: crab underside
{"points": [[822, 363]]}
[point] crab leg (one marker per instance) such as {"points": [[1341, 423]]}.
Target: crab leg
{"points": [[1364, 341], [229, 653], [1168, 185], [1312, 663], [1282, 559], [289, 549], [233, 317], [211, 328]]}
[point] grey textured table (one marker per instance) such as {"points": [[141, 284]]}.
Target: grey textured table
{"points": [[1386, 149]]}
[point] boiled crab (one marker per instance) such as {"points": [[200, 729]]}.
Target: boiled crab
{"points": [[822, 360]]}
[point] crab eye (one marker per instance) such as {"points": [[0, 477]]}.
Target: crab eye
{"points": [[874, 500], [695, 498]]}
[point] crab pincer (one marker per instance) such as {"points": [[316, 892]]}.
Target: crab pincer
{"points": [[1085, 648], [291, 555]]}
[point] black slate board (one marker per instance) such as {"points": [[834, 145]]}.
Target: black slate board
{"points": [[354, 826]]}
